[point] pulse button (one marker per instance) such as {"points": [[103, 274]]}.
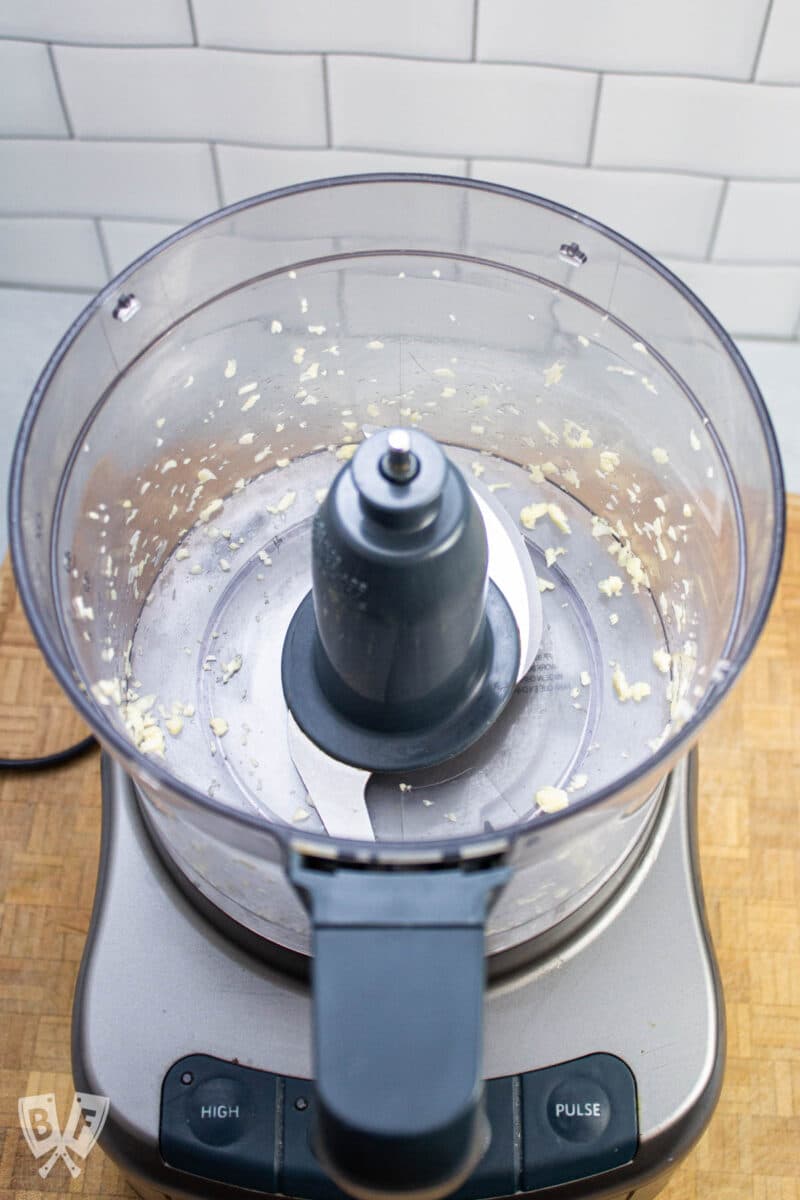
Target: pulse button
{"points": [[579, 1109], [218, 1111], [579, 1119]]}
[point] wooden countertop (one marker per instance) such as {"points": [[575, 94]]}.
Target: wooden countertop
{"points": [[750, 850]]}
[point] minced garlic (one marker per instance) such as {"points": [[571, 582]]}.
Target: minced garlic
{"points": [[628, 691], [662, 659], [612, 586], [551, 799]]}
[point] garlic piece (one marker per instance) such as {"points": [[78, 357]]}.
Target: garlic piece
{"points": [[551, 799], [576, 436], [662, 659], [558, 517], [553, 374], [286, 501], [612, 586], [628, 691], [533, 512], [231, 668]]}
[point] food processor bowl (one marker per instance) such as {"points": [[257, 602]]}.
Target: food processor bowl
{"points": [[189, 425]]}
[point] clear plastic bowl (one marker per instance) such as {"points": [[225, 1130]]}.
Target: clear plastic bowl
{"points": [[237, 361]]}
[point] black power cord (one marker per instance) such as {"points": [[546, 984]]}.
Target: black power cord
{"points": [[48, 760]]}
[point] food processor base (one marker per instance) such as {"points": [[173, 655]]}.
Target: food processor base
{"points": [[604, 1058]]}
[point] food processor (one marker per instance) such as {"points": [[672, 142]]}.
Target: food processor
{"points": [[396, 534]]}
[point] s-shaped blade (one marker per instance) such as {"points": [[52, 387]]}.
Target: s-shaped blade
{"points": [[337, 790]]}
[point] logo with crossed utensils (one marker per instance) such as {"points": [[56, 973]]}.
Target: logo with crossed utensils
{"points": [[39, 1121]]}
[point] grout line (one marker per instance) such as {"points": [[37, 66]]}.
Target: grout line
{"points": [[595, 118], [192, 21], [723, 195], [59, 89], [410, 58], [49, 41], [326, 94], [66, 288], [217, 174], [474, 38], [761, 40], [101, 237], [741, 339], [125, 218], [284, 148], [88, 290], [754, 264], [611, 168], [462, 168]]}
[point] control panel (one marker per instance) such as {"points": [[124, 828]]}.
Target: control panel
{"points": [[230, 1123]]}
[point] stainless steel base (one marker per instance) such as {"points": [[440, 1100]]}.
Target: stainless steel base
{"points": [[639, 981]]}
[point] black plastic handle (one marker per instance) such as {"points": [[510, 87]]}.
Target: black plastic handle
{"points": [[398, 979]]}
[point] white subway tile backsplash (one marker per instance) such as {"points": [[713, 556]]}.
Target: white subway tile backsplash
{"points": [[780, 55], [246, 171], [702, 125], [760, 222], [776, 367], [461, 109], [126, 240], [33, 322], [666, 214], [756, 301], [146, 22], [686, 37], [194, 94], [126, 179], [31, 107], [415, 28], [50, 252]]}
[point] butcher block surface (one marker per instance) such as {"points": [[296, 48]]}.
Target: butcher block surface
{"points": [[750, 855]]}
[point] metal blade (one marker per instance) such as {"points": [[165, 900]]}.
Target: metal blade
{"points": [[511, 569], [337, 790]]}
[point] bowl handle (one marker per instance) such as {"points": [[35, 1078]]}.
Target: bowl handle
{"points": [[398, 976]]}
